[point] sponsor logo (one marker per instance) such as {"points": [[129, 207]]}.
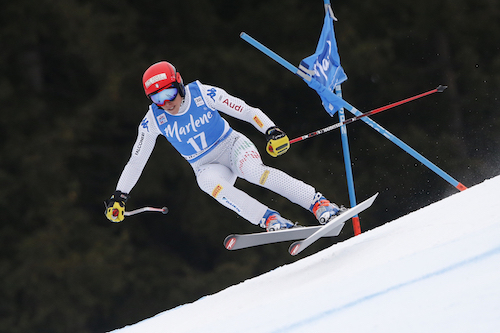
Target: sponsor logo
{"points": [[154, 79], [295, 250], [199, 101], [257, 120], [263, 178], [230, 243], [175, 131], [216, 191], [234, 106], [162, 119], [139, 144], [211, 93], [231, 205], [144, 124]]}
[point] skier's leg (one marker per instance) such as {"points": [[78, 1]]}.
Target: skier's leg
{"points": [[247, 164], [218, 181]]}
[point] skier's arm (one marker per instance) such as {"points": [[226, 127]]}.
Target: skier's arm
{"points": [[141, 151], [220, 100]]}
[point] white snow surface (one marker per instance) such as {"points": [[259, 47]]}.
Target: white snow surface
{"points": [[434, 270]]}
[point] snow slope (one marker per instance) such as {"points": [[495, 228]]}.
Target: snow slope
{"points": [[434, 270]]}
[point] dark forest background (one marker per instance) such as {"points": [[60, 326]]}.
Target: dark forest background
{"points": [[71, 100]]}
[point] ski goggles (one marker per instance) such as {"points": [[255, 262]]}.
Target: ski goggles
{"points": [[164, 95]]}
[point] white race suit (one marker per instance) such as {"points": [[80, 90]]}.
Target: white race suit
{"points": [[217, 153]]}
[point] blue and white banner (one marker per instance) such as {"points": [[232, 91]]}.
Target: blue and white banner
{"points": [[325, 69]]}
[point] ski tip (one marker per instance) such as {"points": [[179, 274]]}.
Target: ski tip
{"points": [[372, 198], [229, 242], [441, 88], [294, 249]]}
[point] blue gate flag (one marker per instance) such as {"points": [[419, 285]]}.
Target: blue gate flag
{"points": [[324, 68]]}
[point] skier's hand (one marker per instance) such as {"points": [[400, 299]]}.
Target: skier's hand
{"points": [[277, 142], [115, 206]]}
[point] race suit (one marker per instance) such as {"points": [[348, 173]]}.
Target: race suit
{"points": [[217, 153]]}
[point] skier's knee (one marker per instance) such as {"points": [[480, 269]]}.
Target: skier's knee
{"points": [[214, 176]]}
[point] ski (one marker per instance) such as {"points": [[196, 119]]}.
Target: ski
{"points": [[242, 241], [299, 246]]}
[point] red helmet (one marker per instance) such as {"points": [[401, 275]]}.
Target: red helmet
{"points": [[161, 75]]}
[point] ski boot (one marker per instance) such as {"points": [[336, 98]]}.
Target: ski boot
{"points": [[324, 210], [273, 221]]}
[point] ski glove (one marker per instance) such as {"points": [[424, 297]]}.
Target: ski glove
{"points": [[277, 142], [115, 206]]}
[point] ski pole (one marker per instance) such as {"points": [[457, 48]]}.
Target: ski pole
{"points": [[163, 210], [440, 88]]}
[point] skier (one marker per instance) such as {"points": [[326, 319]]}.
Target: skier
{"points": [[188, 116]]}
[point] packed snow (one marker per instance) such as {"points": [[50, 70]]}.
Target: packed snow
{"points": [[434, 270]]}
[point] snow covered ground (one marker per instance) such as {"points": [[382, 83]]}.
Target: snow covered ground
{"points": [[434, 270]]}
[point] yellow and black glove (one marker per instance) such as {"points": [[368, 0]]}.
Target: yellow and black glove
{"points": [[115, 206], [277, 142]]}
